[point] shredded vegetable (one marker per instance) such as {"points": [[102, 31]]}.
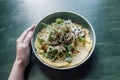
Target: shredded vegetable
{"points": [[61, 40]]}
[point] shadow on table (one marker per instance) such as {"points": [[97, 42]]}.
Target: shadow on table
{"points": [[72, 74]]}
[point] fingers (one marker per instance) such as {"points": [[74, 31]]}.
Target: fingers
{"points": [[25, 33], [28, 37]]}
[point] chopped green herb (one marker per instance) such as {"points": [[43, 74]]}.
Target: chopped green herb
{"points": [[58, 21], [40, 40], [69, 60], [82, 39], [70, 47]]}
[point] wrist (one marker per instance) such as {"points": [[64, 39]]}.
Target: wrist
{"points": [[17, 72], [20, 64]]}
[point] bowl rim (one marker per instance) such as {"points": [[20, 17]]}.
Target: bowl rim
{"points": [[84, 60]]}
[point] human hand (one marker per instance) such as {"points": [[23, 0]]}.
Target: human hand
{"points": [[23, 47], [22, 55]]}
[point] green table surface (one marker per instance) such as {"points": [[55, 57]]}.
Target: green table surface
{"points": [[104, 15]]}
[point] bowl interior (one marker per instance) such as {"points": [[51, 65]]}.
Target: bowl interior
{"points": [[64, 15]]}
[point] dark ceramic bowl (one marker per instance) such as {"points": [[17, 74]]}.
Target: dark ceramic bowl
{"points": [[65, 15]]}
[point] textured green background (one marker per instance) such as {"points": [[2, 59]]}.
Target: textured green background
{"points": [[104, 15]]}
